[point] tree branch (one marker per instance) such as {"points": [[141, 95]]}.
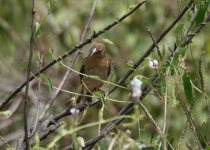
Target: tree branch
{"points": [[88, 40], [32, 39], [129, 107], [76, 55], [150, 49], [139, 61]]}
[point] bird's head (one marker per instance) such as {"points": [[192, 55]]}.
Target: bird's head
{"points": [[97, 49]]}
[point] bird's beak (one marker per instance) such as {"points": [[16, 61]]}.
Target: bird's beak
{"points": [[93, 51]]}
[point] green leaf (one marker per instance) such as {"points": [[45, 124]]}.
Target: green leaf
{"points": [[37, 141], [37, 30], [175, 60], [51, 52], [10, 148], [101, 96], [130, 64], [202, 11], [179, 33], [107, 41], [163, 87], [47, 79], [5, 113], [187, 87], [182, 51], [50, 5], [207, 148]]}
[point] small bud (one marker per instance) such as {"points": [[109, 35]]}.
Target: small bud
{"points": [[136, 92], [153, 63], [74, 111], [81, 141]]}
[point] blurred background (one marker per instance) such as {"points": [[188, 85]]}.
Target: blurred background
{"points": [[61, 27]]}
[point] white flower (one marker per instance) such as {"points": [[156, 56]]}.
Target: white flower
{"points": [[74, 111], [153, 63], [136, 92]]}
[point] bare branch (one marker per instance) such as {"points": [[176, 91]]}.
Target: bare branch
{"points": [[127, 109], [192, 21], [197, 30], [38, 103], [88, 40], [199, 137], [76, 55], [160, 132], [32, 39], [150, 49]]}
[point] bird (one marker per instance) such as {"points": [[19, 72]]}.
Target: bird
{"points": [[95, 64]]}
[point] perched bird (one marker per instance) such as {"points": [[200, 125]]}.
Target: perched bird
{"points": [[95, 64]]}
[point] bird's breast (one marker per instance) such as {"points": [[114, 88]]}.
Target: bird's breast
{"points": [[97, 67]]}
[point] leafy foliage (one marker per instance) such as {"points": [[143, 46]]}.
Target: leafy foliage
{"points": [[187, 87], [203, 5], [59, 26]]}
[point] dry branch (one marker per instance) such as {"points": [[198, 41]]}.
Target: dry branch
{"points": [[32, 39], [88, 40], [127, 109]]}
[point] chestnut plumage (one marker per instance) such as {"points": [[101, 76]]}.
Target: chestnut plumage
{"points": [[95, 64]]}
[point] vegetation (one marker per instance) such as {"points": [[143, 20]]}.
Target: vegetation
{"points": [[159, 51]]}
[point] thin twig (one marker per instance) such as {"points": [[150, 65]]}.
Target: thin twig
{"points": [[94, 77], [49, 131], [111, 145], [125, 110], [32, 39], [150, 49], [38, 102], [192, 21], [76, 55], [67, 112], [128, 108], [79, 94], [156, 44], [165, 113], [184, 130], [189, 27], [164, 140], [5, 142], [199, 137], [88, 40], [196, 31], [44, 133]]}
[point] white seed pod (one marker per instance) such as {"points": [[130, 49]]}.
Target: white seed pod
{"points": [[136, 92], [74, 111], [153, 64], [81, 141]]}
